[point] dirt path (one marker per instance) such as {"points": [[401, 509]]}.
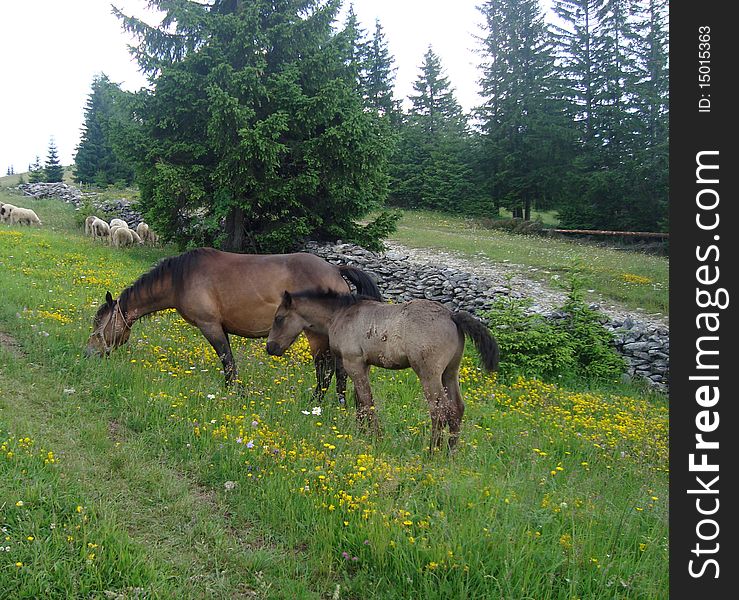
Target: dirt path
{"points": [[519, 279], [8, 343]]}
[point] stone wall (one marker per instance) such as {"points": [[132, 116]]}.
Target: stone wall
{"points": [[121, 208], [646, 347]]}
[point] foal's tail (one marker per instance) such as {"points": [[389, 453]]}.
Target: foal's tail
{"points": [[481, 337], [364, 283]]}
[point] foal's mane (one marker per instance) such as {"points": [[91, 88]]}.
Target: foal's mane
{"points": [[175, 268], [341, 299]]}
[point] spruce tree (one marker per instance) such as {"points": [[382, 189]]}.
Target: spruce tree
{"points": [[353, 43], [36, 172], [526, 138], [435, 107], [53, 170], [96, 160], [432, 167], [254, 136], [612, 53], [575, 41], [379, 75]]}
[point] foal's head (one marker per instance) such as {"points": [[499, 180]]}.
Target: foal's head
{"points": [[109, 329], [286, 327]]}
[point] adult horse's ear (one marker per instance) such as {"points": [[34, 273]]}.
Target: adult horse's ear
{"points": [[287, 299], [108, 298]]}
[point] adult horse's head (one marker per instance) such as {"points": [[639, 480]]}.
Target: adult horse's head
{"points": [[109, 329]]}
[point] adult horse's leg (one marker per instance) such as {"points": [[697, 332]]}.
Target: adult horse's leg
{"points": [[324, 362], [340, 379], [218, 338]]}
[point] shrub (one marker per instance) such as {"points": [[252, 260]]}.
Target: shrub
{"points": [[573, 345], [513, 225], [529, 343], [592, 344]]}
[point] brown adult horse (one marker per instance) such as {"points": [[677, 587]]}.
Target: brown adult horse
{"points": [[420, 334], [223, 293]]}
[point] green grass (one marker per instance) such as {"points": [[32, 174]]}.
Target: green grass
{"points": [[634, 279], [192, 490]]}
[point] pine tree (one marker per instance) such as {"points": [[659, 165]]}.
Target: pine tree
{"points": [[435, 107], [431, 167], [526, 137], [612, 53], [353, 43], [379, 75], [576, 43], [96, 160], [53, 170], [254, 136], [36, 172]]}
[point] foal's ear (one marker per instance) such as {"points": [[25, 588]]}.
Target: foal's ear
{"points": [[108, 298], [287, 299]]}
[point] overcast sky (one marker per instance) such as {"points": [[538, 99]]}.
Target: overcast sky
{"points": [[50, 50]]}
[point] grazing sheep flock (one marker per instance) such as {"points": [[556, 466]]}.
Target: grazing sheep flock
{"points": [[118, 233], [16, 215]]}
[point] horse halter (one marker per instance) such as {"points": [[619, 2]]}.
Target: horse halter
{"points": [[115, 314]]}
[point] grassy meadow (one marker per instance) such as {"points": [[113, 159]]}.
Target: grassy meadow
{"points": [[635, 279], [141, 476]]}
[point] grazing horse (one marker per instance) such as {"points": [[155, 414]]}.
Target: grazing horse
{"points": [[420, 334], [223, 293]]}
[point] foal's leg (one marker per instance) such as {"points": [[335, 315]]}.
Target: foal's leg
{"points": [[324, 362], [439, 405], [450, 380], [358, 370], [218, 338]]}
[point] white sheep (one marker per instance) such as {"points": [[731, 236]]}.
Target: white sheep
{"points": [[119, 223], [146, 233], [143, 230], [5, 210], [88, 225], [100, 229], [136, 237], [23, 216], [121, 237]]}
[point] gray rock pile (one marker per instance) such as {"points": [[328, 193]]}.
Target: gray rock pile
{"points": [[645, 346], [121, 208], [64, 192]]}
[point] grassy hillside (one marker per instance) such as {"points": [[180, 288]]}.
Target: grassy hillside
{"points": [[142, 474]]}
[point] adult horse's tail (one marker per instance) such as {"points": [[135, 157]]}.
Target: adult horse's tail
{"points": [[364, 283], [481, 337]]}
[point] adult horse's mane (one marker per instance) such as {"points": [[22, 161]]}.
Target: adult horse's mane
{"points": [[177, 268]]}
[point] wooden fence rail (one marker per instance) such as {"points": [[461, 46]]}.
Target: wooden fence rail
{"points": [[642, 234]]}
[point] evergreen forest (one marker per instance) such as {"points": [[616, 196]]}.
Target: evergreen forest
{"points": [[267, 123]]}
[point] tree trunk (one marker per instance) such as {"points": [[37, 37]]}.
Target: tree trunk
{"points": [[235, 230]]}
